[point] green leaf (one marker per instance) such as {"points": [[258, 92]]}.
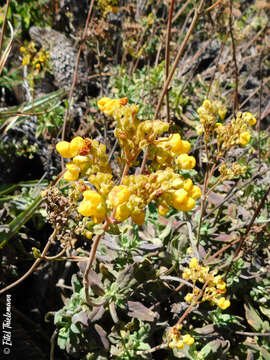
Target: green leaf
{"points": [[252, 317], [211, 347], [265, 311], [19, 221], [75, 328]]}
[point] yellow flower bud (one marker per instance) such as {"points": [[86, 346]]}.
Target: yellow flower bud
{"points": [[163, 210], [222, 286], [180, 345], [195, 192], [179, 197], [138, 217], [186, 162], [189, 340], [189, 297], [63, 147], [199, 129], [244, 138], [186, 274]]}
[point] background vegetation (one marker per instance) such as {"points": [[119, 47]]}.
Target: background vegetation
{"points": [[129, 49]]}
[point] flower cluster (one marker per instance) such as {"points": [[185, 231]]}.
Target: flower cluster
{"points": [[103, 196], [88, 157], [236, 132], [164, 187], [36, 59], [178, 341], [227, 173], [210, 113], [214, 289]]}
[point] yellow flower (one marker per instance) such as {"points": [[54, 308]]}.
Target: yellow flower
{"points": [[70, 176], [244, 138], [195, 192], [63, 147], [122, 212], [72, 173], [76, 145], [119, 195], [102, 102], [186, 162], [91, 204], [189, 340], [188, 205], [93, 196], [108, 106], [249, 118], [185, 146], [179, 197], [223, 303], [187, 185], [176, 143]]}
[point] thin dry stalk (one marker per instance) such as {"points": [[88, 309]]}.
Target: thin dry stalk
{"points": [[3, 26], [35, 265], [74, 80], [236, 99], [167, 56], [180, 52], [182, 9], [5, 55]]}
